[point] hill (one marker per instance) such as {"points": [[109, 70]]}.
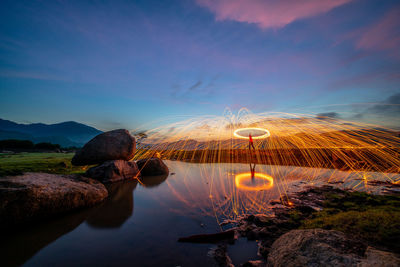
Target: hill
{"points": [[66, 134]]}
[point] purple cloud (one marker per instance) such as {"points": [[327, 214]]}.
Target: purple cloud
{"points": [[268, 13]]}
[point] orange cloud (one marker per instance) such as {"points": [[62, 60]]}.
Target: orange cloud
{"points": [[269, 13]]}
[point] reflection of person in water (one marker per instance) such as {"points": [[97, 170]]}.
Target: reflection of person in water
{"points": [[251, 142], [252, 171]]}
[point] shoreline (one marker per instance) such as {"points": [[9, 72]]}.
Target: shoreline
{"points": [[324, 210]]}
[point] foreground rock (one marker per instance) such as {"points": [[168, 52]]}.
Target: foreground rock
{"points": [[318, 247], [152, 167], [374, 258], [113, 171], [112, 145], [33, 196]]}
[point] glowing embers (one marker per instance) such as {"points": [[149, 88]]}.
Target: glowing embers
{"points": [[256, 133], [244, 181]]}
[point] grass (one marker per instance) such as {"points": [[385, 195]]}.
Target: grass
{"points": [[370, 217], [60, 163]]}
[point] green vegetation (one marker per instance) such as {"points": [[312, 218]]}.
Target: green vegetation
{"points": [[27, 145], [373, 218], [14, 164], [16, 144]]}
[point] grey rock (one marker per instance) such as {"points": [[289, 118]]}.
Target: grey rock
{"points": [[112, 145], [113, 171], [152, 167], [220, 255], [315, 247], [374, 258], [34, 196]]}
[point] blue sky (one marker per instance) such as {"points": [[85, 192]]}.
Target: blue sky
{"points": [[113, 64]]}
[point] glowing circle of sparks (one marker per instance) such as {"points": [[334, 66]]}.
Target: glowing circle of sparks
{"points": [[247, 175], [237, 134]]}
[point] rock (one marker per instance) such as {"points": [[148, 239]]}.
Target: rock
{"points": [[34, 196], [113, 171], [220, 255], [262, 220], [112, 145], [210, 238], [152, 167], [374, 257], [315, 247]]}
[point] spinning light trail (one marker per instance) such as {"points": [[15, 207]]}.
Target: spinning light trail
{"points": [[256, 133], [333, 150]]}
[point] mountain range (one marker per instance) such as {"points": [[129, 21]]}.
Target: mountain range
{"points": [[66, 134]]}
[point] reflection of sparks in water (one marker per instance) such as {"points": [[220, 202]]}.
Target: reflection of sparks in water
{"points": [[256, 133], [210, 189], [248, 176], [366, 152]]}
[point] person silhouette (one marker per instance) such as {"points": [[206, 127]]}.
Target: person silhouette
{"points": [[251, 142]]}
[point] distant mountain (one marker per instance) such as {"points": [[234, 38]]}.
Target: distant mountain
{"points": [[66, 134]]}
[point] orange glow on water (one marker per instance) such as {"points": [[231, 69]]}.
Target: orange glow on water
{"points": [[239, 178]]}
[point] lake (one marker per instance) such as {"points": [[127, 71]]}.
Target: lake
{"points": [[141, 221]]}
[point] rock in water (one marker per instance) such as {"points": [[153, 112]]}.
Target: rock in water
{"points": [[315, 247], [113, 171], [152, 167], [35, 196], [112, 145]]}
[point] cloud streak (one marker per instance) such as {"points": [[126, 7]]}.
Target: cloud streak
{"points": [[384, 35], [268, 13]]}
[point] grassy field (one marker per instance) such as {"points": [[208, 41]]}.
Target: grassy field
{"points": [[373, 218], [14, 164]]}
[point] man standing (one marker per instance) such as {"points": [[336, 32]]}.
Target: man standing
{"points": [[251, 143]]}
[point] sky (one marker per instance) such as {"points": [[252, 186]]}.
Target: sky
{"points": [[121, 64]]}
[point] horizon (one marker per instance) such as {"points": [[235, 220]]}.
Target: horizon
{"points": [[125, 64]]}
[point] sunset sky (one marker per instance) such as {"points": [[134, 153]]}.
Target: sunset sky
{"points": [[118, 64]]}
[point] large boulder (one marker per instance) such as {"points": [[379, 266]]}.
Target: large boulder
{"points": [[315, 247], [35, 196], [113, 171], [112, 145], [152, 167]]}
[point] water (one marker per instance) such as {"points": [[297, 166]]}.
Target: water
{"points": [[141, 221]]}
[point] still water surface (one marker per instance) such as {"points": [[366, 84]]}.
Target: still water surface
{"points": [[141, 221]]}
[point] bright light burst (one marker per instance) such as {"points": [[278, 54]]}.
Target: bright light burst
{"points": [[361, 152]]}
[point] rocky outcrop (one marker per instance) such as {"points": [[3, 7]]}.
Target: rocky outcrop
{"points": [[152, 167], [112, 145], [35, 196], [374, 258], [113, 171], [220, 255], [318, 247]]}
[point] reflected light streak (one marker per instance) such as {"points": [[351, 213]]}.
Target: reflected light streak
{"points": [[247, 175]]}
